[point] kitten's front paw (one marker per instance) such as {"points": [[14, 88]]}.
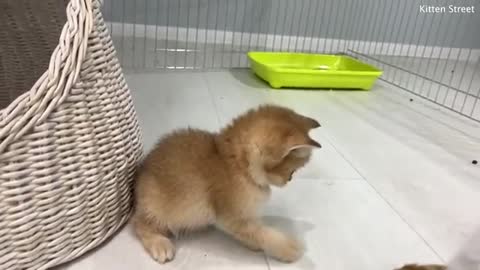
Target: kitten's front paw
{"points": [[252, 247], [282, 248], [161, 249]]}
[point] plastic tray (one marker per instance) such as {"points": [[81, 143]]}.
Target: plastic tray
{"points": [[301, 70]]}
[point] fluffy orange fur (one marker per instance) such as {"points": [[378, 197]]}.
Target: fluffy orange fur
{"points": [[194, 178]]}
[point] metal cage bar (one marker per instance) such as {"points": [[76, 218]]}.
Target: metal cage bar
{"points": [[422, 47]]}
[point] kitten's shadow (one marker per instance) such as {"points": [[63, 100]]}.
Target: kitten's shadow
{"points": [[295, 227]]}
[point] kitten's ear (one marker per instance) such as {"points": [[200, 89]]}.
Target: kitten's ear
{"points": [[312, 123], [309, 123], [312, 143], [303, 148]]}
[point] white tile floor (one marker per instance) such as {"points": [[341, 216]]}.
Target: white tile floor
{"points": [[392, 184]]}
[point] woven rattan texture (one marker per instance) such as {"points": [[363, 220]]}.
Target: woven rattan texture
{"points": [[68, 150], [29, 31]]}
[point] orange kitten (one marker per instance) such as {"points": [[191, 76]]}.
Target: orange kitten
{"points": [[194, 178]]}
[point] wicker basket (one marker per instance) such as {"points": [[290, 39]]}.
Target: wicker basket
{"points": [[69, 145]]}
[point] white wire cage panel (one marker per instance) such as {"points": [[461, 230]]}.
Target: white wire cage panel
{"points": [[422, 46]]}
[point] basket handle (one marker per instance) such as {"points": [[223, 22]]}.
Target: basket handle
{"points": [[52, 88]]}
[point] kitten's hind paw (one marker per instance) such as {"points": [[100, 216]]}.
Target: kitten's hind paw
{"points": [[160, 248]]}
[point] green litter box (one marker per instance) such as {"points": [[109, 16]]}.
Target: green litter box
{"points": [[300, 70]]}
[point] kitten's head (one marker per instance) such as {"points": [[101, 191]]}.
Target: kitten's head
{"points": [[277, 142]]}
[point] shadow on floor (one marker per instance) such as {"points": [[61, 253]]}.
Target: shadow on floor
{"points": [[247, 77]]}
